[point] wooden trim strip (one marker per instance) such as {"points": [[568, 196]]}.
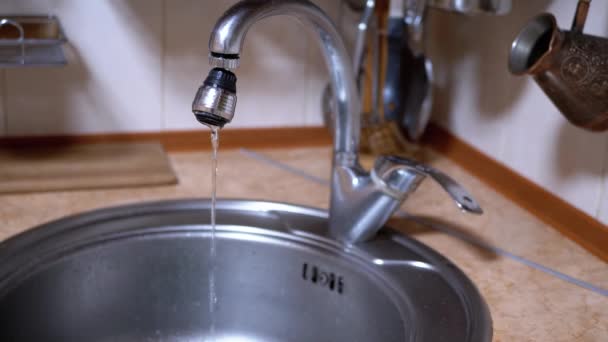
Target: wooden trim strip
{"points": [[568, 220], [175, 141]]}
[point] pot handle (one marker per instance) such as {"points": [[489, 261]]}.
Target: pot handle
{"points": [[580, 16]]}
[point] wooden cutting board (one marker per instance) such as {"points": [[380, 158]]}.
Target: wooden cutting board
{"points": [[94, 166]]}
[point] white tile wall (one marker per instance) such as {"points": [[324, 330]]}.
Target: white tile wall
{"points": [[509, 117], [112, 82], [470, 93], [560, 157], [134, 66]]}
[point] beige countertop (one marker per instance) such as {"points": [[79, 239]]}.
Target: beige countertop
{"points": [[526, 303]]}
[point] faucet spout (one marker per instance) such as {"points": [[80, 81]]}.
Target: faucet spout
{"points": [[226, 44]]}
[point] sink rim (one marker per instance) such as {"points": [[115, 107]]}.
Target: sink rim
{"points": [[32, 246]]}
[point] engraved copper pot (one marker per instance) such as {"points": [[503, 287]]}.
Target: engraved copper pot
{"points": [[570, 67]]}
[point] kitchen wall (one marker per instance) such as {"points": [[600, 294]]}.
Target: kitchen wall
{"points": [[134, 65], [509, 117]]}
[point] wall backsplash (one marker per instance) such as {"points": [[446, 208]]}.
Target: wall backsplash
{"points": [[134, 65]]}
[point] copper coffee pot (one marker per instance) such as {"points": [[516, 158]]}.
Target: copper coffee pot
{"points": [[570, 67]]}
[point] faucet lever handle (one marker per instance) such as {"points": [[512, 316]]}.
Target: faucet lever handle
{"points": [[396, 174]]}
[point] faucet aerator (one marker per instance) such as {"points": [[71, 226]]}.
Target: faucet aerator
{"points": [[209, 119], [215, 101]]}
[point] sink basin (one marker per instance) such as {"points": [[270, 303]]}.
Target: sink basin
{"points": [[140, 273]]}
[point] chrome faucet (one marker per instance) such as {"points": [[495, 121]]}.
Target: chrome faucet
{"points": [[361, 202]]}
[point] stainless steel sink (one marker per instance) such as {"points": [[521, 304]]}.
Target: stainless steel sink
{"points": [[140, 273]]}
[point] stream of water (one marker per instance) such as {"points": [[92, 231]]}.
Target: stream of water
{"points": [[215, 142]]}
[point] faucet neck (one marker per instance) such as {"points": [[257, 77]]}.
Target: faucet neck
{"points": [[226, 44]]}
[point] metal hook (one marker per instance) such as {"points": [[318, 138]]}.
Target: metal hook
{"points": [[4, 22]]}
